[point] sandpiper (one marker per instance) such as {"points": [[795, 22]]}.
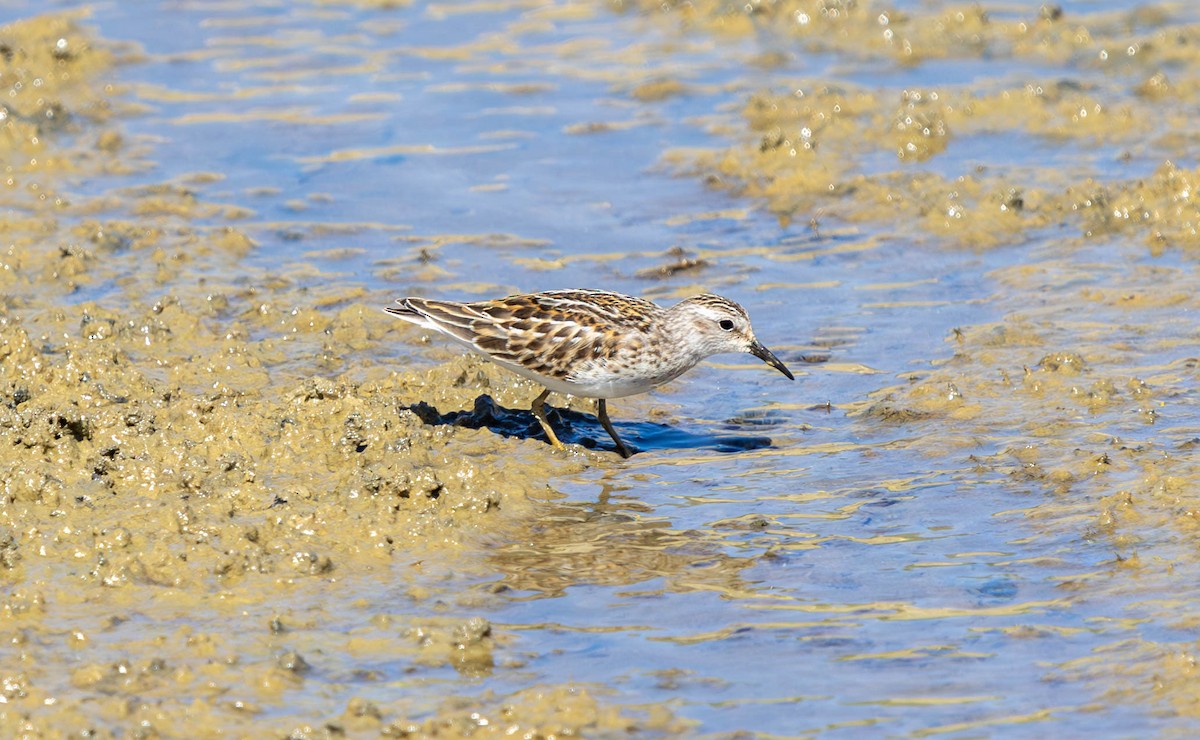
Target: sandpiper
{"points": [[592, 343]]}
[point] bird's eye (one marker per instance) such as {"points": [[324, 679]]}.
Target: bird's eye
{"points": [[725, 324]]}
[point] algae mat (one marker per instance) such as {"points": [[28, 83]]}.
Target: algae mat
{"points": [[238, 499]]}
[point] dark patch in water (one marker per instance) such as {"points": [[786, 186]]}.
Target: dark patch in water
{"points": [[997, 589], [756, 418]]}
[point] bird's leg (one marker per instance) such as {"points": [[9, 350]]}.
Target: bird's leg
{"points": [[602, 414], [539, 410]]}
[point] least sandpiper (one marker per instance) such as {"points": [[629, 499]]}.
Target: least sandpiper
{"points": [[592, 343]]}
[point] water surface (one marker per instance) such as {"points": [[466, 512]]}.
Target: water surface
{"points": [[970, 515]]}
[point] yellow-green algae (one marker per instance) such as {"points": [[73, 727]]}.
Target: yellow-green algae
{"points": [[176, 446], [1086, 385], [801, 150], [211, 458]]}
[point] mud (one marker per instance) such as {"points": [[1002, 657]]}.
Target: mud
{"points": [[1081, 396], [804, 150], [235, 495], [201, 442]]}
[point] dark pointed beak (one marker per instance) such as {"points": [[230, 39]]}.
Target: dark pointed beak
{"points": [[769, 357]]}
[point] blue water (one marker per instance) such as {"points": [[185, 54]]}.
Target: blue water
{"points": [[850, 577]]}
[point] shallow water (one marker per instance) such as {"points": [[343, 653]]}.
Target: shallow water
{"points": [[975, 511]]}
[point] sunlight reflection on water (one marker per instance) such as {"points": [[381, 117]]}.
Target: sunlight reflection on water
{"points": [[853, 563]]}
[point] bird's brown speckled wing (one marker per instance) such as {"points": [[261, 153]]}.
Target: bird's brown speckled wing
{"points": [[554, 333]]}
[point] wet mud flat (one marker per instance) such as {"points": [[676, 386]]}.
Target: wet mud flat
{"points": [[1073, 161], [194, 461], [244, 501]]}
